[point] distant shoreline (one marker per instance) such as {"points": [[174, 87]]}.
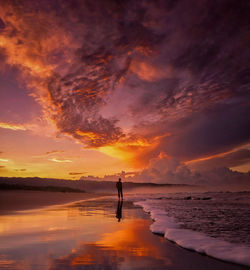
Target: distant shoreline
{"points": [[5, 186], [82, 185], [82, 180], [19, 200]]}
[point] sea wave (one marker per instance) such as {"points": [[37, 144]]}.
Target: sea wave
{"points": [[198, 241]]}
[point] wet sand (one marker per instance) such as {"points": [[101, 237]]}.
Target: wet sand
{"points": [[16, 200], [95, 234]]}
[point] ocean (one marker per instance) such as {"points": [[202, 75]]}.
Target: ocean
{"points": [[213, 223]]}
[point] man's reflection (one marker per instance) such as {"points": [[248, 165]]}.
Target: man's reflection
{"points": [[119, 210]]}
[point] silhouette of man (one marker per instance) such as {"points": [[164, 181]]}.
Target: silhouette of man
{"points": [[119, 188], [119, 210]]}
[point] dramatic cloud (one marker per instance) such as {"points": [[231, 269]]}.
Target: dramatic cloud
{"points": [[137, 80], [164, 169]]}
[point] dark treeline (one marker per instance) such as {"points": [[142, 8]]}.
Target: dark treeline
{"points": [[86, 185], [5, 186]]}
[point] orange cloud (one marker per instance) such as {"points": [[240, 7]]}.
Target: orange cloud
{"points": [[133, 150], [12, 126], [150, 72], [70, 88], [38, 50], [38, 127], [60, 160], [54, 151], [209, 157], [4, 160], [33, 48], [126, 150], [231, 159], [90, 136]]}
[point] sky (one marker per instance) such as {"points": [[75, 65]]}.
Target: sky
{"points": [[157, 90]]}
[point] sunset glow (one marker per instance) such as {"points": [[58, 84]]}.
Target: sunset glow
{"points": [[106, 87]]}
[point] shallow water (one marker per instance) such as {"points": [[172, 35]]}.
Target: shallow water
{"points": [[94, 234], [214, 223]]}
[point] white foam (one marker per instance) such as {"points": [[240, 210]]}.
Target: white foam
{"points": [[193, 240]]}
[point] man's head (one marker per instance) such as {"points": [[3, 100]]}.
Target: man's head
{"points": [[120, 179]]}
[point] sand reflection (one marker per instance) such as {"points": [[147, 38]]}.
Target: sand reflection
{"points": [[81, 236], [128, 247], [119, 210], [86, 235]]}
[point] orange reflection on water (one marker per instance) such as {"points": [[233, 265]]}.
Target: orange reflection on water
{"points": [[124, 246], [129, 239], [6, 264], [86, 234], [45, 226], [86, 259]]}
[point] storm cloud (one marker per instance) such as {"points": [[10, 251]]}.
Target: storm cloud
{"points": [[150, 78]]}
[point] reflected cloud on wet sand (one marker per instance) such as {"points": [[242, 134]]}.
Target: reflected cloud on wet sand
{"points": [[79, 236], [86, 235], [127, 247]]}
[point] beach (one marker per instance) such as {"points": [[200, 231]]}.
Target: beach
{"points": [[95, 233], [16, 200]]}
